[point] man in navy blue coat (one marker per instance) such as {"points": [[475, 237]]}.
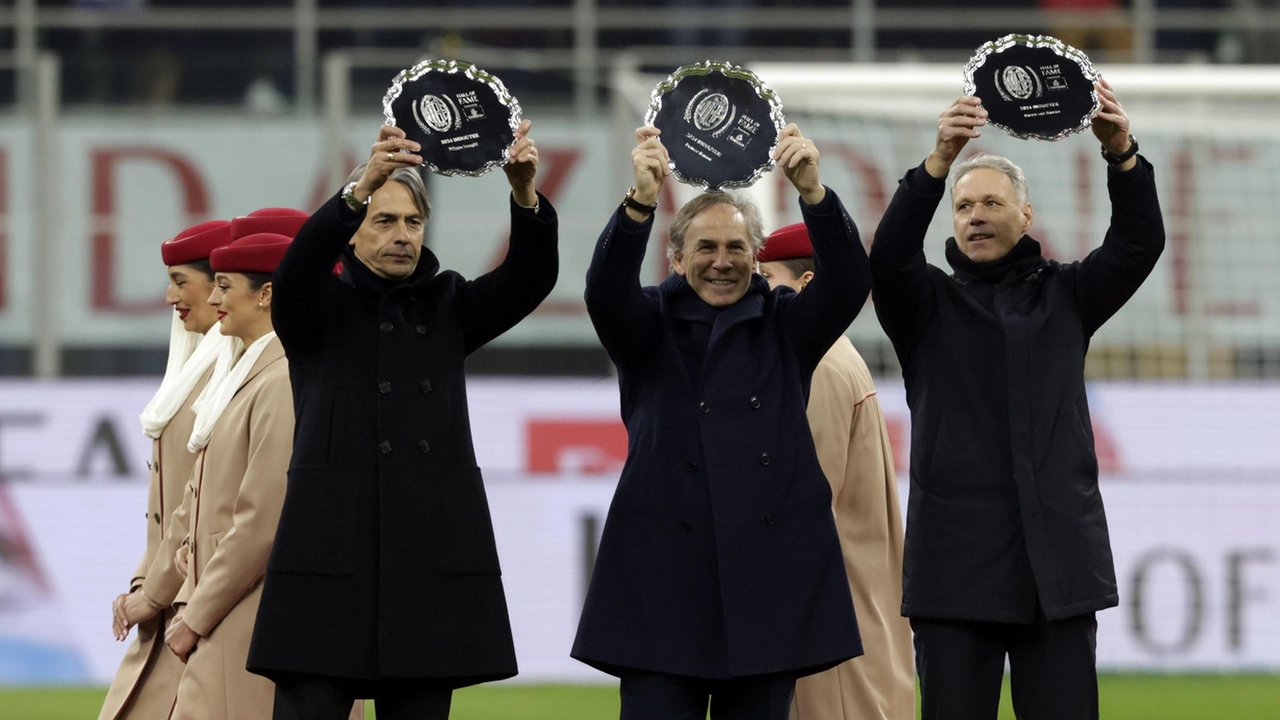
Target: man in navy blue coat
{"points": [[1007, 551], [719, 576]]}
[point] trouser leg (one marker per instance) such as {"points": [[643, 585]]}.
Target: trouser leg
{"points": [[961, 668], [413, 701], [1053, 669], [312, 698], [652, 696], [753, 699]]}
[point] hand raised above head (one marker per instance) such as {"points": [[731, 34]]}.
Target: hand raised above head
{"points": [[650, 165], [523, 165], [1111, 123], [392, 151], [798, 157], [957, 125]]}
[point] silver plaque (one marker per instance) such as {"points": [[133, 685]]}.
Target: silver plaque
{"points": [[1034, 86], [463, 117], [720, 124]]}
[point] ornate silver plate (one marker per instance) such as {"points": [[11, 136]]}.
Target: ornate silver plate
{"points": [[1033, 86], [463, 117], [719, 123]]}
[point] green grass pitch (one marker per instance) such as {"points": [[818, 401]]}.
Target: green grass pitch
{"points": [[1123, 697]]}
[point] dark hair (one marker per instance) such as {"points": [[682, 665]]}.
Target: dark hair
{"points": [[257, 280], [798, 266], [203, 266]]}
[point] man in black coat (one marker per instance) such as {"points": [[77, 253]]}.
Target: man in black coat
{"points": [[1007, 550], [719, 576], [384, 578]]}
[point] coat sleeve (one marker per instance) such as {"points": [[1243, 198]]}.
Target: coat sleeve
{"points": [[153, 500], [301, 280], [1111, 274], [832, 404], [163, 581], [240, 560], [627, 321], [818, 316], [899, 273], [494, 302]]}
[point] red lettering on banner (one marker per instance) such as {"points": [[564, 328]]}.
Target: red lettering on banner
{"points": [[1179, 235], [4, 228], [591, 447], [195, 207], [554, 168]]}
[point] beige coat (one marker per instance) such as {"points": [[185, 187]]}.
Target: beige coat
{"points": [[853, 447], [147, 680], [238, 489]]}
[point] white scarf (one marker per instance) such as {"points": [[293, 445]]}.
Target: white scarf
{"points": [[190, 354], [228, 375]]}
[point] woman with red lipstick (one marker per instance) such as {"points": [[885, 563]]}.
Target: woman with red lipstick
{"points": [[147, 680], [242, 437]]}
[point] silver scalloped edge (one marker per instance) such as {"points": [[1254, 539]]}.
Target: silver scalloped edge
{"points": [[733, 71], [1035, 41], [472, 73]]}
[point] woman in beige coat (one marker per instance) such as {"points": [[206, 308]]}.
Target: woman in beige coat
{"points": [[242, 436], [852, 441], [147, 680]]}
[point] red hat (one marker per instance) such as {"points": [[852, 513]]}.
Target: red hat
{"points": [[252, 253], [278, 221], [196, 242], [786, 243]]}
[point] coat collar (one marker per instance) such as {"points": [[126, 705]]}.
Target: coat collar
{"points": [[684, 304], [1021, 261], [272, 352], [358, 275]]}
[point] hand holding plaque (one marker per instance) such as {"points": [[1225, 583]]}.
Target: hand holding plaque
{"points": [[1033, 86], [719, 122], [462, 117]]}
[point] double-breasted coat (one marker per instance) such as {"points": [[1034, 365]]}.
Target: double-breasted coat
{"points": [[719, 557], [852, 441], [1005, 514], [147, 680], [385, 564], [238, 489]]}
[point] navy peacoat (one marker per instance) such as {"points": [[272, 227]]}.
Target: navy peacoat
{"points": [[384, 564], [719, 557], [1005, 514]]}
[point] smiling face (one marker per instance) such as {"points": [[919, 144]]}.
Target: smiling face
{"points": [[244, 312], [987, 215], [389, 240], [717, 256], [188, 293]]}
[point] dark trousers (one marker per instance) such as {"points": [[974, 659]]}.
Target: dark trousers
{"points": [[651, 696], [1052, 668], [318, 698]]}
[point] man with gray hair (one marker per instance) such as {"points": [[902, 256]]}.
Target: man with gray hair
{"points": [[1007, 552], [719, 578]]}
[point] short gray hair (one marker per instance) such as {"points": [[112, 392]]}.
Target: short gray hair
{"points": [[992, 162], [700, 204], [408, 177]]}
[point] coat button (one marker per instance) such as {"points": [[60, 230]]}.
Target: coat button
{"points": [[764, 458], [768, 520], [422, 329], [424, 446], [384, 387], [386, 327], [704, 407], [685, 526], [755, 402], [384, 446], [425, 386], [692, 466]]}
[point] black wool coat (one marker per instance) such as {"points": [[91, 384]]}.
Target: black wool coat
{"points": [[1004, 510], [384, 564], [719, 556]]}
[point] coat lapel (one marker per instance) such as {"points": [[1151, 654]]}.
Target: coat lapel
{"points": [[273, 352]]}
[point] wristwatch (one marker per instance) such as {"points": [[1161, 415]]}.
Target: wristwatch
{"points": [[349, 197], [631, 202], [1115, 159]]}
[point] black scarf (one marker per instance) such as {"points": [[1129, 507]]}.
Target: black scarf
{"points": [[1020, 261]]}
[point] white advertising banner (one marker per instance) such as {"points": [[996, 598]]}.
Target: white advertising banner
{"points": [[1191, 479]]}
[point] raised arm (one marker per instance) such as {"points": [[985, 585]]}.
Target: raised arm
{"points": [[841, 278], [625, 319], [899, 280], [298, 311], [1111, 274], [494, 302]]}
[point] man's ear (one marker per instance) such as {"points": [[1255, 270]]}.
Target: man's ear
{"points": [[677, 264], [1028, 215]]}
